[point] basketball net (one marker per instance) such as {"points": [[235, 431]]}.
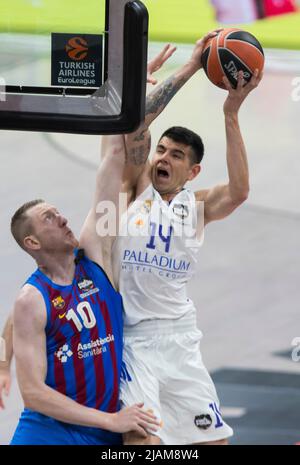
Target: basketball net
{"points": [[2, 350]]}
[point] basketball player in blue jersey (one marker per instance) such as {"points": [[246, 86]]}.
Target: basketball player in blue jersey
{"points": [[154, 257], [68, 327], [5, 375]]}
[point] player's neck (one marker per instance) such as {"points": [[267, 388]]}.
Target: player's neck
{"points": [[169, 196], [59, 268]]}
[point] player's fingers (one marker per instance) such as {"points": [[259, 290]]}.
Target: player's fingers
{"points": [[140, 404], [140, 431], [151, 80], [254, 81], [168, 53], [254, 76], [201, 42], [148, 412], [152, 64], [166, 50], [163, 52], [240, 80], [227, 83], [1, 401], [162, 57], [147, 427], [149, 418], [147, 415], [258, 76], [212, 33]]}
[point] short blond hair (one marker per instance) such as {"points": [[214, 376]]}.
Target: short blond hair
{"points": [[20, 224]]}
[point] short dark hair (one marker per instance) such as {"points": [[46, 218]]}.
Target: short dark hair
{"points": [[187, 137], [20, 225]]}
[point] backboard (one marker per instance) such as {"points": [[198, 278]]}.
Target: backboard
{"points": [[77, 67]]}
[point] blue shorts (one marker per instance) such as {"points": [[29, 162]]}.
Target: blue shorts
{"points": [[35, 429]]}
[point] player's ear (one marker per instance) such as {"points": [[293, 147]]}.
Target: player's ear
{"points": [[31, 243], [194, 171]]}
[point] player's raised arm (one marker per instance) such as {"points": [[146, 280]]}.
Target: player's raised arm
{"points": [[100, 227], [5, 375], [138, 143], [31, 360], [222, 200]]}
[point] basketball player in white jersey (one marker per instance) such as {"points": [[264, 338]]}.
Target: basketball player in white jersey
{"points": [[155, 256]]}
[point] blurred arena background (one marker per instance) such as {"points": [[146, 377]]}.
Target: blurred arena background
{"points": [[247, 286]]}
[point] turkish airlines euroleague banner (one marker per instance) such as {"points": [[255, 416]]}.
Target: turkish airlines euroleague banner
{"points": [[246, 11], [76, 60]]}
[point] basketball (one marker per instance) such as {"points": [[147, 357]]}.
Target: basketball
{"points": [[231, 51]]}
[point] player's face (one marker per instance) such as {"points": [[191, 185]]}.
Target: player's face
{"points": [[50, 229], [171, 166]]}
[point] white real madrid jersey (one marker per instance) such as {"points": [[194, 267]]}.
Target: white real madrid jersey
{"points": [[155, 255]]}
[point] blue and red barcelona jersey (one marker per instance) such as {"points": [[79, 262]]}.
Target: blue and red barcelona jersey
{"points": [[84, 336]]}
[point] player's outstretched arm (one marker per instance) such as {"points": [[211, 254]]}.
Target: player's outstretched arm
{"points": [[5, 374], [30, 351], [222, 200], [138, 143], [101, 225]]}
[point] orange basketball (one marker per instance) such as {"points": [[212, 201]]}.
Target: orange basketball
{"points": [[231, 51]]}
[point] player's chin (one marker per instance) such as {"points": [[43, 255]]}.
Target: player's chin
{"points": [[73, 242], [161, 184]]}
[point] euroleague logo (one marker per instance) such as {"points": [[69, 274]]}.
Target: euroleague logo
{"points": [[77, 48]]}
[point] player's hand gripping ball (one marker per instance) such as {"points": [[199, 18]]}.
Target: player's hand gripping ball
{"points": [[230, 51]]}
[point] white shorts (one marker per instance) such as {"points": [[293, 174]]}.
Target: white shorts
{"points": [[166, 372]]}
